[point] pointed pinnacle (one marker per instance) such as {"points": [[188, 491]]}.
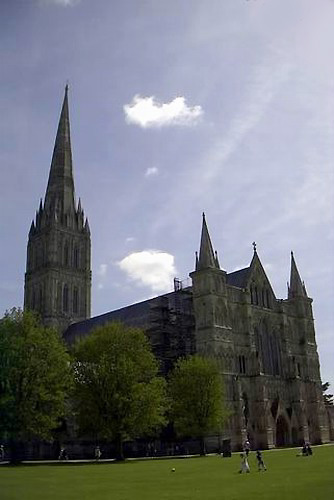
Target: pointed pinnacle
{"points": [[206, 257], [296, 287], [87, 228], [32, 227], [217, 260]]}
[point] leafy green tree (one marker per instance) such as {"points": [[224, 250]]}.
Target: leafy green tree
{"points": [[328, 398], [35, 375], [118, 394], [197, 398]]}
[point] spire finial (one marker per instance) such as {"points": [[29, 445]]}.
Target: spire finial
{"points": [[254, 246], [67, 86]]}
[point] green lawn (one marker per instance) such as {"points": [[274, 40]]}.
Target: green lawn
{"points": [[288, 477]]}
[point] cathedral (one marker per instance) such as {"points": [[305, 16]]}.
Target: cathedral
{"points": [[265, 346]]}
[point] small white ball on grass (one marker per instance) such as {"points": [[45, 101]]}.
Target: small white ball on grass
{"points": [[173, 469]]}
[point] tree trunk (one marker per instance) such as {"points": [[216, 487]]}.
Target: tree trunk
{"points": [[119, 448], [202, 446]]}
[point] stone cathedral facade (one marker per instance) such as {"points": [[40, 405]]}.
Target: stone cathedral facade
{"points": [[265, 346]]}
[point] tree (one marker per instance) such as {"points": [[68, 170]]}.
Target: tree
{"points": [[35, 375], [118, 394], [197, 402], [328, 398]]}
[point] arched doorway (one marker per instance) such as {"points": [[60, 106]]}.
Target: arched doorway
{"points": [[282, 432]]}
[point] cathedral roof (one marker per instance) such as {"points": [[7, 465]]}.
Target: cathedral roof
{"points": [[238, 278], [140, 314], [133, 315]]}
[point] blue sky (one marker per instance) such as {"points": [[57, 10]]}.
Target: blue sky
{"points": [[176, 107]]}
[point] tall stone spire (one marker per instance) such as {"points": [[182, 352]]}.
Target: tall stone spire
{"points": [[296, 287], [58, 275], [207, 258], [60, 189]]}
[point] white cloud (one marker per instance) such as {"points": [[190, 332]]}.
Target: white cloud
{"points": [[151, 268], [151, 171], [147, 112], [102, 270], [130, 239]]}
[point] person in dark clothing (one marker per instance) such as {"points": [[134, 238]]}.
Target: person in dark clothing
{"points": [[260, 462]]}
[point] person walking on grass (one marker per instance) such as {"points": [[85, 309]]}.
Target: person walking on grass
{"points": [[244, 464], [97, 453], [247, 447], [63, 454], [260, 462]]}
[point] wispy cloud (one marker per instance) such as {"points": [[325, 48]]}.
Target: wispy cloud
{"points": [[266, 81], [151, 268], [130, 239], [151, 171], [313, 195], [62, 3], [148, 112], [102, 270]]}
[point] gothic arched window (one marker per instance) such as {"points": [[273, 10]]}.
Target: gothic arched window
{"points": [[242, 364], [75, 300], [76, 257], [263, 298], [66, 254], [277, 365], [65, 298], [269, 350], [268, 298], [256, 301]]}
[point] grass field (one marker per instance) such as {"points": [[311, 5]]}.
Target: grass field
{"points": [[287, 477]]}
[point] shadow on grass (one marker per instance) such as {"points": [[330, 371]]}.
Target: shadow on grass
{"points": [[111, 461]]}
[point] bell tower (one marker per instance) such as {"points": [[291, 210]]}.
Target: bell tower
{"points": [[58, 269]]}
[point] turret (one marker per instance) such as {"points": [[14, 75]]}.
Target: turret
{"points": [[210, 299]]}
